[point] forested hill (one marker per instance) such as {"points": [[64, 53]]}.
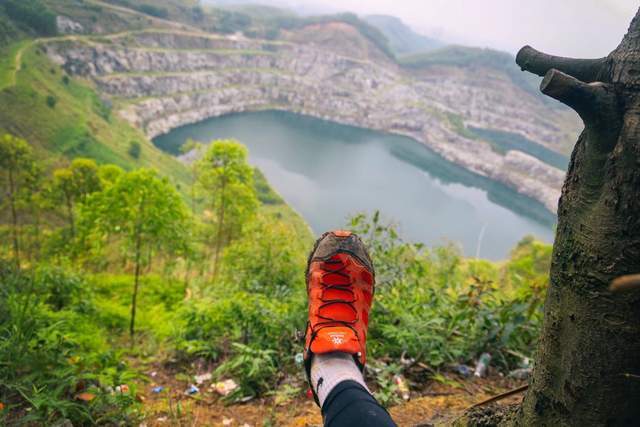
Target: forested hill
{"points": [[401, 38]]}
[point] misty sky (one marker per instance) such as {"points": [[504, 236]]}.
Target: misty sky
{"points": [[585, 28]]}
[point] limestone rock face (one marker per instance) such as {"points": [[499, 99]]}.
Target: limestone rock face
{"points": [[67, 25], [162, 80]]}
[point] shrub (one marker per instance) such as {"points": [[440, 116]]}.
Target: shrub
{"points": [[265, 193], [254, 367], [51, 101], [135, 148], [33, 14], [440, 308], [158, 12], [50, 351], [210, 325]]}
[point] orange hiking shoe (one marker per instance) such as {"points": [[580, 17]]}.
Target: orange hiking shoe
{"points": [[340, 286]]}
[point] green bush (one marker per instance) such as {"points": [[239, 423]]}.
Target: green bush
{"points": [[431, 305], [254, 366], [51, 101], [135, 148], [210, 325], [265, 193], [51, 351], [440, 308], [32, 13], [149, 9]]}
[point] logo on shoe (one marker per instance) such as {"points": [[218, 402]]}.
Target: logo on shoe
{"points": [[337, 337]]}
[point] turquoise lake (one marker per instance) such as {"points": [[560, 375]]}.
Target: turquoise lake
{"points": [[328, 172]]}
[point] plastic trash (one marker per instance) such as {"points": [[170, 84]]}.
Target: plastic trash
{"points": [[191, 390], [483, 365], [520, 374], [157, 389], [464, 370], [153, 374], [122, 388], [299, 358], [226, 387], [200, 379], [403, 387], [406, 361], [86, 397], [227, 421]]}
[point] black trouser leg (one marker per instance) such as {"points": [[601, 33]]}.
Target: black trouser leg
{"points": [[350, 405]]}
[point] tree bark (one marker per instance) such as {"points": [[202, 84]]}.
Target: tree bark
{"points": [[221, 213], [588, 359], [72, 222], [135, 284]]}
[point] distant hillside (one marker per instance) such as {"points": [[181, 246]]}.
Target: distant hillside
{"points": [[20, 19], [470, 57], [402, 39]]}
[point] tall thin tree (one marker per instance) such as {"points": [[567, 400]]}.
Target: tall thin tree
{"points": [[142, 209], [17, 165], [225, 180]]}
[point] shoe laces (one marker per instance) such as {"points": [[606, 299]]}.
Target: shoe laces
{"points": [[338, 296]]}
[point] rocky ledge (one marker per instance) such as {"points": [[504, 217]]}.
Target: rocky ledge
{"points": [[162, 80]]}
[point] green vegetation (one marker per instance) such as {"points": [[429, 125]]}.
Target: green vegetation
{"points": [[266, 194], [225, 182], [131, 258], [80, 123], [56, 361], [32, 16], [16, 161], [145, 213], [72, 185], [8, 63], [146, 8], [122, 231], [134, 149], [99, 244], [505, 141]]}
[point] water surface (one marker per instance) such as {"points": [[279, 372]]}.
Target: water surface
{"points": [[328, 172]]}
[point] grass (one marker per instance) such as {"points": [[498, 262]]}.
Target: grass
{"points": [[457, 124], [79, 125], [9, 59]]}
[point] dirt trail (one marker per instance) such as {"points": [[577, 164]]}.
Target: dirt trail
{"points": [[435, 402]]}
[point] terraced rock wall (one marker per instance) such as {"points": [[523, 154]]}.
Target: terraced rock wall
{"points": [[162, 80]]}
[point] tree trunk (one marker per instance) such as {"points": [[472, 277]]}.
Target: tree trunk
{"points": [[14, 218], [135, 285], [588, 359], [36, 231], [72, 222], [221, 212]]}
